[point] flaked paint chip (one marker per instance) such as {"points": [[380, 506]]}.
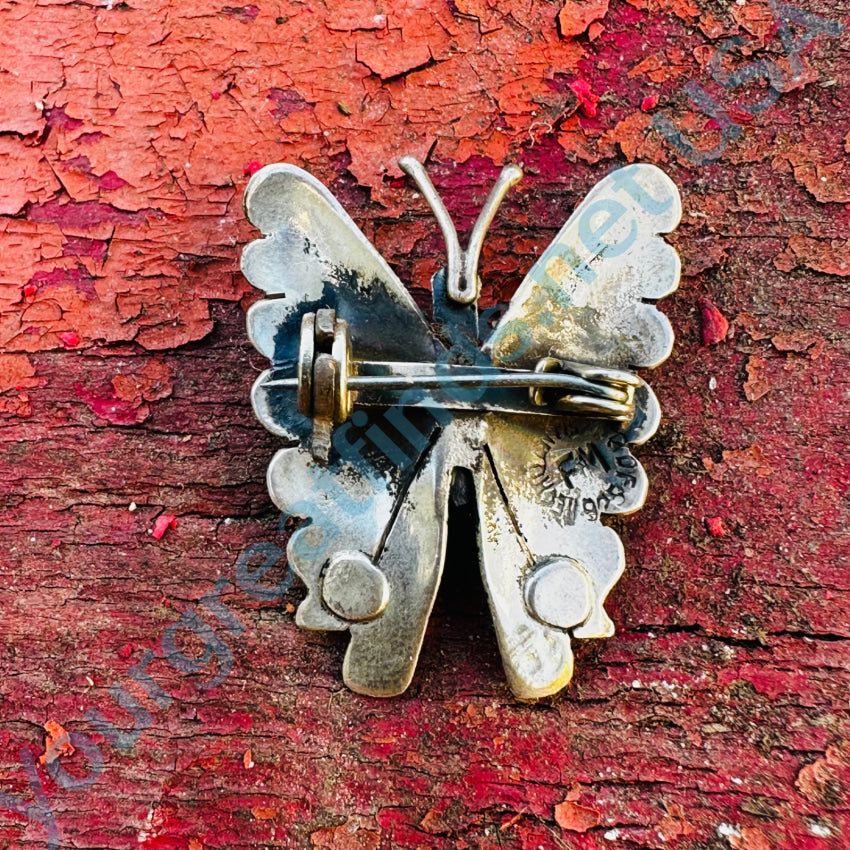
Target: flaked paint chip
{"points": [[575, 17], [163, 522], [715, 526], [575, 818], [57, 743], [587, 99], [715, 326], [264, 812], [756, 384]]}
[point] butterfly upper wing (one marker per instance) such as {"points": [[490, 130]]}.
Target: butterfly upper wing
{"points": [[583, 300], [313, 255]]}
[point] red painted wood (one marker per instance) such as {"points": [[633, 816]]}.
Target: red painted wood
{"points": [[717, 715]]}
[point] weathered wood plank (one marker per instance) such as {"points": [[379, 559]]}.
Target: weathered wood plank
{"points": [[716, 717]]}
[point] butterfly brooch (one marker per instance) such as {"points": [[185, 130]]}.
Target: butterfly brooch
{"points": [[526, 412]]}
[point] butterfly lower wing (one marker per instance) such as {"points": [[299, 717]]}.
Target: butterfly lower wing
{"points": [[537, 658], [383, 652]]}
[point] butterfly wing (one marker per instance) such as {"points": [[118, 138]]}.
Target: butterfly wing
{"points": [[313, 255], [584, 300], [366, 508]]}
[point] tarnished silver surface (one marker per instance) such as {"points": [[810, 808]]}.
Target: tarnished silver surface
{"points": [[381, 408]]}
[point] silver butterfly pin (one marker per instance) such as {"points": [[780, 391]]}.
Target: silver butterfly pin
{"points": [[387, 414]]}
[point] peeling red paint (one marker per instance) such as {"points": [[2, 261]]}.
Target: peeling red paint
{"points": [[357, 833], [264, 812], [81, 165], [151, 383], [575, 17], [78, 278], [826, 781], [587, 100], [715, 326], [674, 824], [715, 525], [575, 818], [124, 399], [742, 461], [17, 372], [162, 524], [756, 384], [57, 743]]}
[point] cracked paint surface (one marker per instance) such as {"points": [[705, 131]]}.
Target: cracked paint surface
{"points": [[132, 468]]}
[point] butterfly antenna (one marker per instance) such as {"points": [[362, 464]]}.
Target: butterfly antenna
{"points": [[510, 176], [454, 256], [462, 283]]}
